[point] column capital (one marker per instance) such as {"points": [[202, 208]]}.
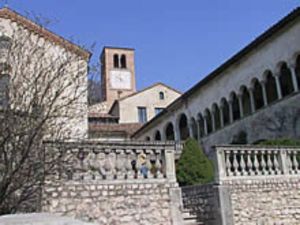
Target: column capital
{"points": [[291, 65]]}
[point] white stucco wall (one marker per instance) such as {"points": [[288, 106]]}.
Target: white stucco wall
{"points": [[149, 98], [282, 46]]}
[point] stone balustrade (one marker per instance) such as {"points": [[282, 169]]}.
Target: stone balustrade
{"points": [[246, 161], [111, 161]]}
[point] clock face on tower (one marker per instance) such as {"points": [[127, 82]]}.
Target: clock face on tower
{"points": [[120, 79]]}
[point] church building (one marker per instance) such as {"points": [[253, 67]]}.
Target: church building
{"points": [[123, 109]]}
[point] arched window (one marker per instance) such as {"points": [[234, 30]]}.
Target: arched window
{"points": [[225, 111], [170, 132], [286, 81], [194, 128], [4, 90], [116, 61], [123, 61], [183, 127], [298, 70], [235, 107], [161, 95], [271, 89], [201, 125], [246, 101], [216, 115], [258, 94], [5, 42], [208, 121], [157, 136]]}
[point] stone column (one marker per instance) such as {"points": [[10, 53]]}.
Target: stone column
{"points": [[221, 117], [264, 92], [294, 77], [230, 111], [205, 125], [241, 105], [198, 130], [252, 100], [170, 165], [190, 128], [279, 93], [213, 121]]}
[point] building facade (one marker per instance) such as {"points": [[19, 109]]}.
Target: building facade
{"points": [[123, 110], [251, 97], [41, 70]]}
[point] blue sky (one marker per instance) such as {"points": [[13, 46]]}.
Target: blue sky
{"points": [[177, 42]]}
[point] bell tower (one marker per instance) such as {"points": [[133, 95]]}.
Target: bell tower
{"points": [[117, 73]]}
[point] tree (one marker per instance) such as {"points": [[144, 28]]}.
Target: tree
{"points": [[43, 94], [193, 166]]}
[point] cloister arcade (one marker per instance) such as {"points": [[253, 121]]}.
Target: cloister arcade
{"points": [[269, 88]]}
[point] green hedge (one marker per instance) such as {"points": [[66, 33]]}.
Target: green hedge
{"points": [[193, 166], [280, 142]]}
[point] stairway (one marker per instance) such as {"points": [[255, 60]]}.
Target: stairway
{"points": [[189, 219]]}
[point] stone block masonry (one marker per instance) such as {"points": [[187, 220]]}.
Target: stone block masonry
{"points": [[269, 201], [123, 203], [120, 183]]}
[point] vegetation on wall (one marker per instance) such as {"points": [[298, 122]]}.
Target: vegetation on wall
{"points": [[193, 166], [280, 142]]}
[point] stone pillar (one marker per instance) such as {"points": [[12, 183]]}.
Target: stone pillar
{"points": [[264, 93], [252, 100], [241, 105], [279, 93], [230, 111], [294, 77], [213, 121], [163, 135], [198, 131], [170, 165], [190, 128], [205, 125], [221, 117]]}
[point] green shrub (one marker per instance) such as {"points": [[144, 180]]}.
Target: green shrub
{"points": [[193, 166], [280, 142]]}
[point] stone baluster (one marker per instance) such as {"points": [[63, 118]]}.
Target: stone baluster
{"points": [[129, 159], [120, 164], [295, 162], [256, 164], [236, 171], [242, 163], [284, 162], [158, 165], [228, 164], [109, 166], [289, 161], [269, 163], [250, 164], [263, 164], [148, 163], [276, 164]]}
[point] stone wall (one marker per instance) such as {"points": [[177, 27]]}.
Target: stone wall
{"points": [[266, 201], [254, 185], [124, 203], [202, 201], [114, 183]]}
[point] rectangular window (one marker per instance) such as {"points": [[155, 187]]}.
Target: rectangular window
{"points": [[158, 110], [142, 114]]}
